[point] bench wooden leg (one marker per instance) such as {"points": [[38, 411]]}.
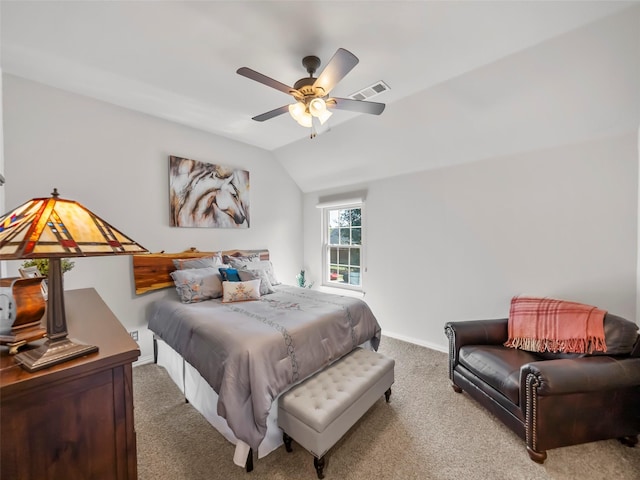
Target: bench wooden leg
{"points": [[155, 350], [249, 465], [387, 395], [287, 442], [319, 464]]}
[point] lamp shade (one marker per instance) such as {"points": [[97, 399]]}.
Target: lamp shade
{"points": [[324, 116], [317, 107], [297, 110], [305, 121], [55, 227]]}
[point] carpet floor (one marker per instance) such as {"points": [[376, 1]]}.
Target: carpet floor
{"points": [[427, 432]]}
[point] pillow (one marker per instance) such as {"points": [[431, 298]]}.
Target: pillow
{"points": [[202, 262], [261, 264], [197, 284], [240, 291], [254, 257], [265, 284], [229, 274], [268, 267]]}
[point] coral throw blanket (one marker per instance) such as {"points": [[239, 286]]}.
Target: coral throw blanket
{"points": [[545, 324]]}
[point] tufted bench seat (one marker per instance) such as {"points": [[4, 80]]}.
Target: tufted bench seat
{"points": [[320, 410]]}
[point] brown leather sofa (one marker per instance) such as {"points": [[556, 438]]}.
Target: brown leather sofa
{"points": [[551, 399]]}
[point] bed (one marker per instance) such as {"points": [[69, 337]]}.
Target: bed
{"points": [[232, 359]]}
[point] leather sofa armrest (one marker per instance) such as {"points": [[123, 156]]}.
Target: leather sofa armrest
{"points": [[636, 348], [579, 375], [473, 332], [477, 332]]}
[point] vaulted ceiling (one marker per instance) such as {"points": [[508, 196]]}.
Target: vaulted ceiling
{"points": [[443, 61]]}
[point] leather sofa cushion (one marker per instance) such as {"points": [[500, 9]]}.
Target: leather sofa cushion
{"points": [[498, 366], [620, 335]]}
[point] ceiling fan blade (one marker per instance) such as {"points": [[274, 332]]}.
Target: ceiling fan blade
{"points": [[271, 114], [340, 64], [360, 106], [268, 81]]}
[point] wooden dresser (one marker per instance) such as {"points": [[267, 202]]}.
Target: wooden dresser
{"points": [[73, 420]]}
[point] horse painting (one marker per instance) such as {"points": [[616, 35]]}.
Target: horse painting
{"points": [[207, 195]]}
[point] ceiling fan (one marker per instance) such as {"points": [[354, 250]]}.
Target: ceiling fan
{"points": [[313, 103]]}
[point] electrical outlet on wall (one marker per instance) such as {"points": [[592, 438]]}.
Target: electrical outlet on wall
{"points": [[134, 335]]}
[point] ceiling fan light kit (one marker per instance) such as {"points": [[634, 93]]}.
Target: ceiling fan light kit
{"points": [[312, 94]]}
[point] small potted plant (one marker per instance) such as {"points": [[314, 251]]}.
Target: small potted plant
{"points": [[42, 264], [302, 281]]}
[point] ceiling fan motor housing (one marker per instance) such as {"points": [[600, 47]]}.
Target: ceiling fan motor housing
{"points": [[311, 63], [305, 85]]}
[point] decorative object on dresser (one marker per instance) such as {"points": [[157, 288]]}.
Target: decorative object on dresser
{"points": [[29, 272], [206, 195], [75, 419], [22, 307], [56, 228]]}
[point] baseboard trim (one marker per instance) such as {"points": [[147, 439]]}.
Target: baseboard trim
{"points": [[422, 343], [143, 360]]}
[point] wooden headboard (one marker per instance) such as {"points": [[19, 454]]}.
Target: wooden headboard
{"points": [[152, 271]]}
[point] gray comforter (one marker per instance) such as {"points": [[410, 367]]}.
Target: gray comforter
{"points": [[250, 352]]}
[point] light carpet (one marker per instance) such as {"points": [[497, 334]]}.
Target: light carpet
{"points": [[427, 432]]}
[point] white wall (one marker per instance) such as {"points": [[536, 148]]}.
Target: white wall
{"points": [[457, 243], [542, 198], [115, 162]]}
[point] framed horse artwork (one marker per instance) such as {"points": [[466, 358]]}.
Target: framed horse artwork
{"points": [[207, 195]]}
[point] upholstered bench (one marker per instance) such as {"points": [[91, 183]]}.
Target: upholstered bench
{"points": [[319, 411]]}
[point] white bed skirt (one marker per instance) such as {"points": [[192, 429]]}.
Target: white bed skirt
{"points": [[203, 398]]}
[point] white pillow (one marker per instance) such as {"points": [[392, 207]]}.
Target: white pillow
{"points": [[240, 291]]}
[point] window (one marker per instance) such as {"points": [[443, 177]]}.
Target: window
{"points": [[342, 245]]}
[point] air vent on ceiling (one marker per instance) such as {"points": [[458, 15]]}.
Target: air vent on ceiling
{"points": [[371, 91]]}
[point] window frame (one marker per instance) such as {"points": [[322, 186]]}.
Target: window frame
{"points": [[326, 245]]}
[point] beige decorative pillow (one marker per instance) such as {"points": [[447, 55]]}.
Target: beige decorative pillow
{"points": [[240, 291]]}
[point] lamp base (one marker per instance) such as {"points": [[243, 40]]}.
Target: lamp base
{"points": [[51, 353]]}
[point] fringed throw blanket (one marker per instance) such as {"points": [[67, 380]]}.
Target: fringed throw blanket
{"points": [[544, 324]]}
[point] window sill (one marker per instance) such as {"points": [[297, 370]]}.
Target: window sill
{"points": [[346, 291]]}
